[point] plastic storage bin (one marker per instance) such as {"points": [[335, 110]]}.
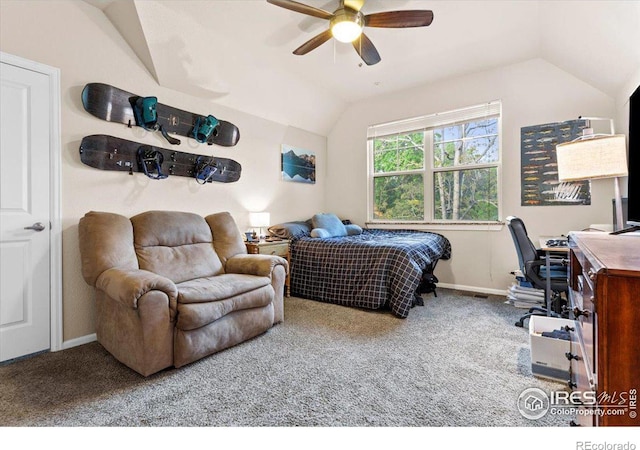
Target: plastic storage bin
{"points": [[549, 354]]}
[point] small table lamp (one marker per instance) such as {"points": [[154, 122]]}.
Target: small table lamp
{"points": [[259, 220], [595, 156]]}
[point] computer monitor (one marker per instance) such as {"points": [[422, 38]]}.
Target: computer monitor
{"points": [[632, 206], [633, 187]]}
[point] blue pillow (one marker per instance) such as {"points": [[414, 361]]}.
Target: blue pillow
{"points": [[289, 230], [320, 233], [353, 229], [327, 225]]}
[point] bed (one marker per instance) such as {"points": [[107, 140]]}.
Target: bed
{"points": [[370, 268]]}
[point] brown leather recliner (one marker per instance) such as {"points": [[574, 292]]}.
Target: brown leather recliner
{"points": [[173, 287]]}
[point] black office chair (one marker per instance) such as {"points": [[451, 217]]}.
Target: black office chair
{"points": [[533, 266]]}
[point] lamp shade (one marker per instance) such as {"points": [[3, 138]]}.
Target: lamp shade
{"points": [[259, 219], [591, 158]]}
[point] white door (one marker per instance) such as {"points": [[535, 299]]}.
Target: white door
{"points": [[24, 212]]}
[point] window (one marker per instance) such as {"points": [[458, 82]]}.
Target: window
{"points": [[441, 168]]}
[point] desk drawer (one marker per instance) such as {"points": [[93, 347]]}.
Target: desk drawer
{"points": [[583, 278], [583, 275], [581, 378], [277, 249], [583, 311]]}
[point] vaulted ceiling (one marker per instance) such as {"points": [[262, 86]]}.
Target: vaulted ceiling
{"points": [[239, 52]]}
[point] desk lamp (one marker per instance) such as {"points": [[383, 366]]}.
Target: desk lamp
{"points": [[259, 220], [593, 156]]}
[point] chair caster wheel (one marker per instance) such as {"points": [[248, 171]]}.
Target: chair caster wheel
{"points": [[520, 324]]}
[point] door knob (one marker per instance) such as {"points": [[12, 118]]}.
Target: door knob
{"points": [[36, 227]]}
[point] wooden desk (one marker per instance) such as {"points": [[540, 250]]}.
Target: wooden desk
{"points": [[555, 248], [604, 297]]}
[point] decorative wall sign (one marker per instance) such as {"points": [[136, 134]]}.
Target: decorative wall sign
{"points": [[298, 165], [539, 171]]}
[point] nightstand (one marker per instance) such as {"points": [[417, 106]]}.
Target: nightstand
{"points": [[278, 248]]}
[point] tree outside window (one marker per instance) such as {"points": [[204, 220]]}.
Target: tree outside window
{"points": [[398, 183], [446, 173]]}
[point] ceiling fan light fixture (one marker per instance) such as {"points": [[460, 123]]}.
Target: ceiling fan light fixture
{"points": [[346, 25]]}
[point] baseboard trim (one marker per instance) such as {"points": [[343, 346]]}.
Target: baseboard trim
{"points": [[79, 341], [480, 290]]}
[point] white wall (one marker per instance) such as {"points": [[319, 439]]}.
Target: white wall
{"points": [[533, 92], [79, 40]]}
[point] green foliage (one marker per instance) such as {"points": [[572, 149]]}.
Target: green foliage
{"points": [[399, 197], [459, 194], [478, 198], [398, 153]]}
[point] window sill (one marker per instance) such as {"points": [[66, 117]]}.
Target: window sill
{"points": [[437, 226]]}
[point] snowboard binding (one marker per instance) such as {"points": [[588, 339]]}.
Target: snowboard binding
{"points": [[204, 128], [146, 114], [206, 168], [150, 161]]}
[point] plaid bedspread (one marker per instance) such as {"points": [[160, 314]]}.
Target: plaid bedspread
{"points": [[376, 269]]}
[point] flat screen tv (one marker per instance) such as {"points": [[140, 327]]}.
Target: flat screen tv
{"points": [[633, 206], [633, 190]]}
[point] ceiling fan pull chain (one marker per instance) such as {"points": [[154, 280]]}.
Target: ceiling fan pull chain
{"points": [[334, 51]]}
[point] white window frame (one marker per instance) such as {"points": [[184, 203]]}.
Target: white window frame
{"points": [[427, 124]]}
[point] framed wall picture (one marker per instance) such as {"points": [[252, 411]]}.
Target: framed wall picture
{"points": [[298, 165], [539, 166]]}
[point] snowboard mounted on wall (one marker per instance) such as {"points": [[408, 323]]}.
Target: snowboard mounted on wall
{"points": [[111, 153], [109, 103]]}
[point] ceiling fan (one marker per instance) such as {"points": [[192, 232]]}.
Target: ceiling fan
{"points": [[346, 24]]}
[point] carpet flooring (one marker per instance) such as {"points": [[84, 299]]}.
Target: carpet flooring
{"points": [[456, 361]]}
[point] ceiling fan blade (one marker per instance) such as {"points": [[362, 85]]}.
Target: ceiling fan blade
{"points": [[399, 19], [302, 8], [313, 43], [366, 50], [356, 5]]}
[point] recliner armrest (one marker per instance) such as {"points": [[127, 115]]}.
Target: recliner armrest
{"points": [[128, 285], [252, 264]]}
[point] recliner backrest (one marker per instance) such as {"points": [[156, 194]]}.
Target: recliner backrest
{"points": [[227, 239], [176, 245], [106, 242]]}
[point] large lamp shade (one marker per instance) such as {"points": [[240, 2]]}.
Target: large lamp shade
{"points": [[596, 157]]}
